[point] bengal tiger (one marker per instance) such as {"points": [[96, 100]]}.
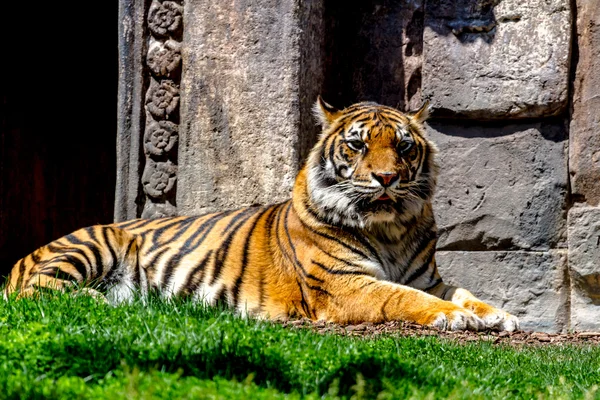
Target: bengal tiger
{"points": [[355, 243]]}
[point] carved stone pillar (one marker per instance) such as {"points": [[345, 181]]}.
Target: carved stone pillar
{"points": [[214, 102], [151, 34]]}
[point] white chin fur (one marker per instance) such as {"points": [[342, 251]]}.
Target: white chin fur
{"points": [[337, 208], [332, 204]]}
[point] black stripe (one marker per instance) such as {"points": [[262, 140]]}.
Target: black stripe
{"points": [[238, 282], [57, 273], [237, 217], [279, 242], [311, 211], [175, 260], [110, 278], [426, 153], [332, 149], [429, 235], [75, 262], [204, 229], [421, 270], [94, 249], [157, 233], [365, 242], [295, 263], [131, 243], [110, 247], [338, 241], [346, 262], [337, 271], [35, 257], [261, 291], [67, 250], [364, 285], [133, 224], [73, 239], [21, 273], [291, 244], [182, 229], [395, 119], [192, 283], [269, 223], [136, 270], [362, 119], [220, 296], [167, 274], [150, 265], [209, 222], [303, 301], [223, 250], [319, 289]]}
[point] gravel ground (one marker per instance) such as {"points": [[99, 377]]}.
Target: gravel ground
{"points": [[407, 329]]}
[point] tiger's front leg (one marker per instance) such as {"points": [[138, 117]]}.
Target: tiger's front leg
{"points": [[494, 318], [363, 298]]}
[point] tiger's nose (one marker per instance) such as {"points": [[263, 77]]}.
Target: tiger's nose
{"points": [[385, 178]]}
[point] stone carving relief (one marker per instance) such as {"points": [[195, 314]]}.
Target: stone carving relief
{"points": [[164, 58], [165, 19], [162, 100], [163, 65], [160, 138]]}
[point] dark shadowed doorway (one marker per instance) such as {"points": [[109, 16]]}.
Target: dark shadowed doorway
{"points": [[57, 123]]}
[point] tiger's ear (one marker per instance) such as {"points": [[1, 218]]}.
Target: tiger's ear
{"points": [[324, 113], [422, 113]]}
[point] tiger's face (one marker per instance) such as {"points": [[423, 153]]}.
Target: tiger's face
{"points": [[371, 165]]}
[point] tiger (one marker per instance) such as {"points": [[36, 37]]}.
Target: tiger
{"points": [[355, 243]]}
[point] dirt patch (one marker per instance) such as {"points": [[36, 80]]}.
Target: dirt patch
{"points": [[413, 330]]}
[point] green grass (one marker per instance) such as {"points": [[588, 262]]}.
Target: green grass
{"points": [[75, 347]]}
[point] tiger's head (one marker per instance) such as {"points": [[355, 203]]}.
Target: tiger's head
{"points": [[372, 164]]}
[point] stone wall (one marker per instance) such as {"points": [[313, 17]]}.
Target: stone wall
{"points": [[215, 104]]}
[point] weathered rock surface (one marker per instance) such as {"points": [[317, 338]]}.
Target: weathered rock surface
{"points": [[501, 188], [584, 141], [243, 102], [530, 285], [489, 59], [584, 267]]}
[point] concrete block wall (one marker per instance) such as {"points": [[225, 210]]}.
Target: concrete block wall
{"points": [[215, 114]]}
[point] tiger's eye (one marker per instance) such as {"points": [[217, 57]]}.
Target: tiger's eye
{"points": [[405, 146], [356, 145]]}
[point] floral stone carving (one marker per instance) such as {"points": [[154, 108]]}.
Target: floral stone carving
{"points": [[165, 18], [162, 99], [160, 137], [159, 178], [164, 59]]}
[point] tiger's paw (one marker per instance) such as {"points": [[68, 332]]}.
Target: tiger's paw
{"points": [[454, 318], [493, 318], [459, 321], [501, 320]]}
